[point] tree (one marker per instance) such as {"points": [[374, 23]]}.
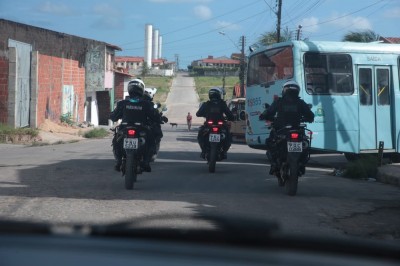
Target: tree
{"points": [[361, 36], [145, 69], [271, 37]]}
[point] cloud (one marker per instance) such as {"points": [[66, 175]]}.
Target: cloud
{"points": [[224, 25], [109, 17], [310, 24], [392, 13], [353, 23], [202, 12], [57, 9]]}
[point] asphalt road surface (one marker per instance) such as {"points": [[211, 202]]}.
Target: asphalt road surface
{"points": [[76, 183]]}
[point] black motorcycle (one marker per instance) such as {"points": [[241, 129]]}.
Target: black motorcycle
{"points": [[157, 132], [134, 148], [215, 135], [291, 148]]}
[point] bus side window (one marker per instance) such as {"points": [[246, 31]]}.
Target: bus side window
{"points": [[365, 86], [383, 86]]}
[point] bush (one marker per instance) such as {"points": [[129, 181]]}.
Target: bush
{"points": [[96, 133], [10, 131], [364, 167]]}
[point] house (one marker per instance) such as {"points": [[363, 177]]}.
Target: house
{"points": [[46, 74], [134, 65], [390, 39], [219, 62]]}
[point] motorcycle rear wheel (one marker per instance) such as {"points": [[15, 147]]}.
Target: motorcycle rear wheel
{"points": [[213, 159], [292, 179], [130, 171]]}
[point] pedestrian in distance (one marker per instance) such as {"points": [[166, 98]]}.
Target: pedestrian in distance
{"points": [[189, 121]]}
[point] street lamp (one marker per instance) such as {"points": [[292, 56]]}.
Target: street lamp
{"points": [[223, 33]]}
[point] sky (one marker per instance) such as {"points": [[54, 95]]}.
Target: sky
{"points": [[195, 29]]}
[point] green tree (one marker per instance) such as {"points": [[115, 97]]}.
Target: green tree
{"points": [[271, 37], [361, 36], [145, 70]]}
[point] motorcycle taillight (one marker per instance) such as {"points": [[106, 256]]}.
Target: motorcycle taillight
{"points": [[210, 122], [294, 136], [215, 129], [220, 123], [131, 132]]}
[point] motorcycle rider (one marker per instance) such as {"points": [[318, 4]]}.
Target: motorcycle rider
{"points": [[134, 110], [214, 109], [290, 110], [155, 126]]}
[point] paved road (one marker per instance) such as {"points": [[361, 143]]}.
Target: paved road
{"points": [[76, 183], [181, 100]]}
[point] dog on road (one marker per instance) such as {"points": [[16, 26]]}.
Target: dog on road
{"points": [[174, 125]]}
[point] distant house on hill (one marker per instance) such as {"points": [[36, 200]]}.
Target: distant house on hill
{"points": [[390, 39], [134, 65], [216, 66]]}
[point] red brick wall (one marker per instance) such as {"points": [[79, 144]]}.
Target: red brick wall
{"points": [[54, 72], [3, 89], [119, 87]]}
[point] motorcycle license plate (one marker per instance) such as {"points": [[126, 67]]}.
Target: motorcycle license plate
{"points": [[294, 146], [131, 143], [214, 138]]}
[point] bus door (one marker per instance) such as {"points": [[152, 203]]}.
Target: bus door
{"points": [[374, 91]]}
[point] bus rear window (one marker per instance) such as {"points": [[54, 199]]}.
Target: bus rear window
{"points": [[270, 65], [328, 73]]}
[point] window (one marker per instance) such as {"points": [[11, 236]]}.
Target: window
{"points": [[383, 86], [365, 86], [270, 65], [328, 73]]}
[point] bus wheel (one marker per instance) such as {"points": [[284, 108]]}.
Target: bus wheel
{"points": [[395, 157], [351, 156]]}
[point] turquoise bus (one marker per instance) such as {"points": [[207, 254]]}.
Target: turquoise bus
{"points": [[353, 88]]}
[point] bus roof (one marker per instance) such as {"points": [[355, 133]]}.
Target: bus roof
{"points": [[329, 46]]}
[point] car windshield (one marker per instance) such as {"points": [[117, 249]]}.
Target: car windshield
{"points": [[78, 146]]}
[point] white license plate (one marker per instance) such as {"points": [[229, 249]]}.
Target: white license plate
{"points": [[214, 138], [131, 143], [294, 146]]}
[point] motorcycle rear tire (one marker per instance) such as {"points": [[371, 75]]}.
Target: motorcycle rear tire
{"points": [[130, 171], [213, 159], [292, 179]]}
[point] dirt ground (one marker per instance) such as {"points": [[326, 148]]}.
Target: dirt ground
{"points": [[52, 132]]}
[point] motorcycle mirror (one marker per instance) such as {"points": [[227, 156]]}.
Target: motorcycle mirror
{"points": [[158, 105]]}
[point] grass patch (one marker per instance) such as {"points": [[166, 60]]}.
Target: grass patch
{"points": [[7, 130], [96, 133], [163, 85], [204, 84], [362, 168]]}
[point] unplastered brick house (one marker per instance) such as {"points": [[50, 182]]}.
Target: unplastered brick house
{"points": [[46, 74]]}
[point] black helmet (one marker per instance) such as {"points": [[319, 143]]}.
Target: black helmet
{"points": [[214, 94], [291, 87], [136, 88]]}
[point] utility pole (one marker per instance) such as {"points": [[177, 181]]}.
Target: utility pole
{"points": [[176, 62], [242, 68], [278, 26]]}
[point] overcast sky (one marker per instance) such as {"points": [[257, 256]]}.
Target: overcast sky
{"points": [[192, 28]]}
